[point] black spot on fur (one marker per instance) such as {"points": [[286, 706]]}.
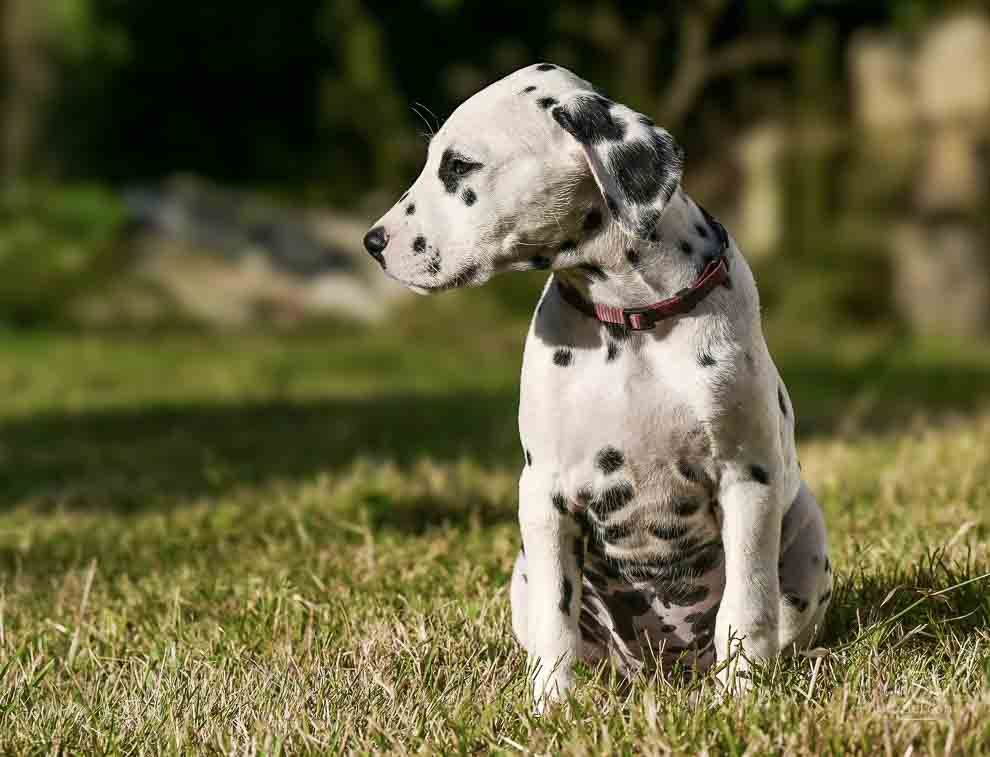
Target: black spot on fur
{"points": [[828, 565], [589, 121], [612, 205], [796, 602], [681, 593], [702, 231], [559, 503], [568, 245], [434, 265], [702, 622], [609, 460], [615, 497], [628, 605], [583, 495], [546, 102], [566, 593], [593, 221], [646, 169], [469, 197], [780, 399], [539, 262], [613, 352], [579, 553], [546, 67], [632, 256], [688, 471], [467, 274], [453, 168], [685, 506], [613, 534], [686, 247], [646, 121], [562, 357], [410, 208], [825, 597], [706, 360], [594, 271], [419, 244], [759, 474], [530, 88], [669, 532], [529, 458]]}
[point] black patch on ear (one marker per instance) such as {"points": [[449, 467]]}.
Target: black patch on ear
{"points": [[609, 460], [527, 90], [559, 503], [453, 168], [632, 256], [546, 67], [419, 244], [780, 399], [410, 208], [613, 352], [562, 357], [469, 197], [648, 224], [529, 458], [434, 265], [589, 121], [594, 271], [539, 262], [546, 102], [593, 221], [759, 474], [566, 592], [706, 360], [686, 247], [568, 245], [647, 169]]}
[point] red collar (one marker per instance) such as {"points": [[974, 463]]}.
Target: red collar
{"points": [[646, 317]]}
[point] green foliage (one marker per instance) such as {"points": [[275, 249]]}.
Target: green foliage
{"points": [[55, 241]]}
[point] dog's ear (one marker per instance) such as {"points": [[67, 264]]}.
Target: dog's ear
{"points": [[637, 165]]}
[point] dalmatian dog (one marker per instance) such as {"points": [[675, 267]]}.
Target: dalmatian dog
{"points": [[663, 516]]}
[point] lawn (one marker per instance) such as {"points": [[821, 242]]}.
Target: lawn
{"points": [[267, 543]]}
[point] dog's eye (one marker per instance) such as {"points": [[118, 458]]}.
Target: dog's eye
{"points": [[461, 167]]}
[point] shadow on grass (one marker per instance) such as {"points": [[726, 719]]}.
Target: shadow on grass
{"points": [[155, 456], [929, 599], [129, 460]]}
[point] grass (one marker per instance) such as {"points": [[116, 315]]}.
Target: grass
{"points": [[289, 543]]}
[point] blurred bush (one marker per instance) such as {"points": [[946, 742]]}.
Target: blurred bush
{"points": [[56, 241]]}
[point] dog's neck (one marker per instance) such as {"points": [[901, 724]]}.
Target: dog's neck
{"points": [[613, 269]]}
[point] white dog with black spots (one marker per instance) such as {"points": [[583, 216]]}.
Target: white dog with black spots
{"points": [[661, 505]]}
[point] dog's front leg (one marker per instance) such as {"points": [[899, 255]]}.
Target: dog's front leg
{"points": [[747, 620], [554, 548]]}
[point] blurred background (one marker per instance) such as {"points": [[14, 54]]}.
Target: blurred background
{"points": [[195, 173]]}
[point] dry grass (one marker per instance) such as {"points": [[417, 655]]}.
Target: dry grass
{"points": [[357, 601]]}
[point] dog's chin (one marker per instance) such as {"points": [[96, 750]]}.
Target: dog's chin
{"points": [[456, 282]]}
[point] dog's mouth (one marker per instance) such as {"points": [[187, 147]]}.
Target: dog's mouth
{"points": [[466, 277]]}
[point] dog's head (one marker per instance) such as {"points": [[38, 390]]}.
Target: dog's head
{"points": [[518, 175]]}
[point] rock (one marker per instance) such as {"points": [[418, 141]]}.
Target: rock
{"points": [[229, 259]]}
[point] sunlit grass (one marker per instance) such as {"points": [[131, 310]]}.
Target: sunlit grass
{"points": [[302, 543]]}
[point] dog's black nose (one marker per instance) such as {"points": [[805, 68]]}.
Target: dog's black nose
{"points": [[375, 242]]}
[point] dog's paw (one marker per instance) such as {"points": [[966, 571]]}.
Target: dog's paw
{"points": [[550, 689]]}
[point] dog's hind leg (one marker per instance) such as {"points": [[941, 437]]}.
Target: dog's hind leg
{"points": [[805, 573]]}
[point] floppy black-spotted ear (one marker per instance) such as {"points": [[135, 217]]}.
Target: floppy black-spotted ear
{"points": [[637, 165]]}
